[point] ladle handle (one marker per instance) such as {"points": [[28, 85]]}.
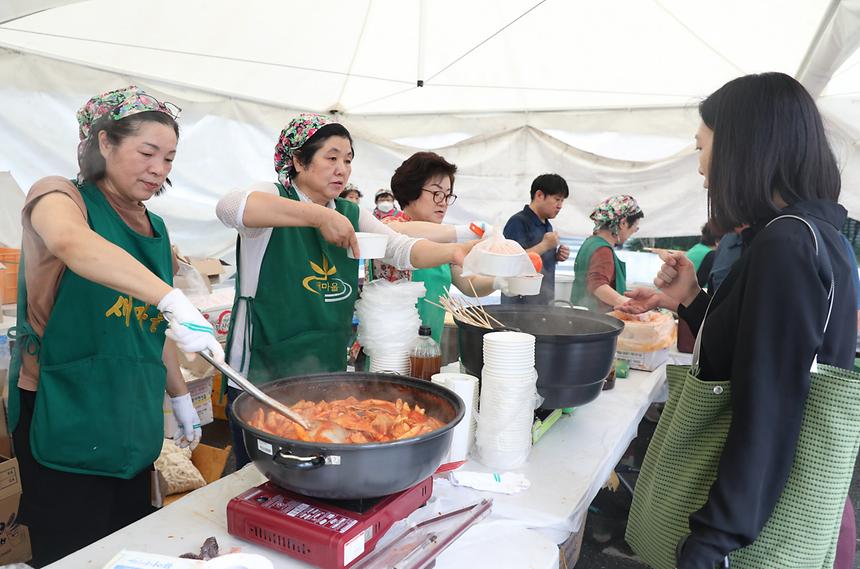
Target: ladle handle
{"points": [[253, 390]]}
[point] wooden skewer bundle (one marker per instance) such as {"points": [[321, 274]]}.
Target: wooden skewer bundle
{"points": [[467, 311]]}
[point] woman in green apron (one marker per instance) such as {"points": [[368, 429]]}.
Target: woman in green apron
{"points": [[755, 450], [600, 277], [424, 187], [296, 284], [91, 365]]}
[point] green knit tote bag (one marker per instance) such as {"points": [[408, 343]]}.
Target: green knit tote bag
{"points": [[681, 465]]}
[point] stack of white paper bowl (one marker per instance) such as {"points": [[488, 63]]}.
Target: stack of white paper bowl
{"points": [[508, 395]]}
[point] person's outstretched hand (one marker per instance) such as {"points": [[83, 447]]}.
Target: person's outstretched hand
{"points": [[337, 229], [642, 300]]}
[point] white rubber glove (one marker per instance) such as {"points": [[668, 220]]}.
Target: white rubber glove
{"points": [[501, 283], [472, 231], [189, 431], [191, 332]]}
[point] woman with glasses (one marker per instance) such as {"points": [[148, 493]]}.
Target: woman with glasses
{"points": [[424, 187], [600, 277], [90, 368], [296, 285]]}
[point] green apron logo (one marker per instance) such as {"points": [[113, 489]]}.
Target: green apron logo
{"points": [[325, 283], [124, 308]]}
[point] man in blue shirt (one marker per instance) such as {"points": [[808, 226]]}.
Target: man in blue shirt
{"points": [[531, 229]]}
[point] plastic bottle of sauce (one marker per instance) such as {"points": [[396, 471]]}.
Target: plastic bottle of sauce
{"points": [[426, 357]]}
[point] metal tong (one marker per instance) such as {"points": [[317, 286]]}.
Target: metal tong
{"points": [[254, 391]]}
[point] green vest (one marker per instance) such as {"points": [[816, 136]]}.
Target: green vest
{"points": [[300, 319], [437, 281], [101, 376], [697, 253], [579, 295]]}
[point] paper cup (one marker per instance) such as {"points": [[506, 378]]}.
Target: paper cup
{"points": [[371, 245]]}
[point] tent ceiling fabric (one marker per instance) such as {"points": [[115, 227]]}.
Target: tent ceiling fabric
{"points": [[365, 56], [503, 74]]}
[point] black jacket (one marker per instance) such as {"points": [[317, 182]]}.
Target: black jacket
{"points": [[764, 327]]}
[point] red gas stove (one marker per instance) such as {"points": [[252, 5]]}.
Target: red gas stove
{"points": [[330, 534]]}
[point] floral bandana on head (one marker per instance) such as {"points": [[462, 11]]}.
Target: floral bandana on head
{"points": [[294, 137], [612, 210], [119, 104]]}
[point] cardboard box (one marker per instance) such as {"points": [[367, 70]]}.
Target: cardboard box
{"points": [[201, 397], [219, 400], [14, 538], [646, 361], [217, 308], [219, 317], [210, 461], [3, 299]]}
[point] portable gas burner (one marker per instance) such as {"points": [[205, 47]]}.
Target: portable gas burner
{"points": [[330, 534]]}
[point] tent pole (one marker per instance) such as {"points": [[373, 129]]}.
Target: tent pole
{"points": [[804, 69], [422, 39]]}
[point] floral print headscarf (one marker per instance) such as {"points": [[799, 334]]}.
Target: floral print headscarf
{"points": [[610, 212], [294, 137], [119, 104]]}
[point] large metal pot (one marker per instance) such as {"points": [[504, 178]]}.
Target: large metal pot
{"points": [[574, 349], [351, 471]]}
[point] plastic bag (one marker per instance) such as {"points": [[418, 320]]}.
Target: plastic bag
{"points": [[497, 256], [647, 332], [190, 281]]}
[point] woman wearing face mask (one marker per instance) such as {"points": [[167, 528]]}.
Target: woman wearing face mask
{"points": [[424, 185], [296, 286], [600, 276], [88, 376], [385, 207]]}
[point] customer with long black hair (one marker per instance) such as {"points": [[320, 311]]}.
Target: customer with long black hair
{"points": [[764, 154]]}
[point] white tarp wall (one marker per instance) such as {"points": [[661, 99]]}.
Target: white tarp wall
{"points": [[12, 199], [501, 74], [226, 144]]}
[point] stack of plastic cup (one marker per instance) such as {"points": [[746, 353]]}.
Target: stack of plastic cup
{"points": [[508, 397], [388, 323]]}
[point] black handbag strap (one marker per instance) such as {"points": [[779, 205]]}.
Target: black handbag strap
{"points": [[825, 271]]}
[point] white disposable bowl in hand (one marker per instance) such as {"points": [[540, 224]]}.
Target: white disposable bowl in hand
{"points": [[498, 265], [371, 245], [526, 285]]}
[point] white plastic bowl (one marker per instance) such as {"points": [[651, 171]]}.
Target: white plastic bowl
{"points": [[526, 285], [497, 265], [371, 245]]}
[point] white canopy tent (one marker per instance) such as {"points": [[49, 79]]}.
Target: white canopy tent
{"points": [[604, 93]]}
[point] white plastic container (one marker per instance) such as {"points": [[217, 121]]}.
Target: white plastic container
{"points": [[371, 245], [497, 265], [563, 287], [526, 285]]}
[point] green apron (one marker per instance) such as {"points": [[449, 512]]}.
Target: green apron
{"points": [[579, 295], [437, 281], [101, 376], [300, 319]]}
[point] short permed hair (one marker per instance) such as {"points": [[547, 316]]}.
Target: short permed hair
{"points": [[410, 177]]}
